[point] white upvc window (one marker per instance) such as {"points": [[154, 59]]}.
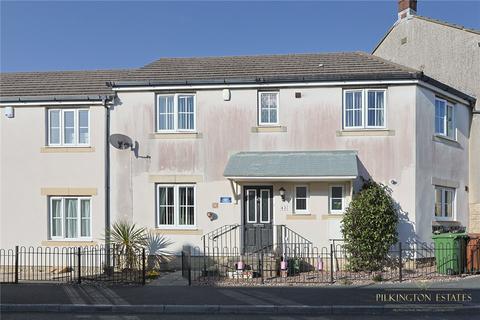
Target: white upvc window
{"points": [[301, 199], [68, 127], [176, 112], [444, 203], [364, 108], [176, 206], [444, 118], [268, 107], [337, 199], [70, 218]]}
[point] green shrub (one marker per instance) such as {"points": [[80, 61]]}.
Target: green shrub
{"points": [[369, 227]]}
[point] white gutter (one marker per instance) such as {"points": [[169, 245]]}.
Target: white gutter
{"points": [[263, 85], [306, 178], [51, 103]]}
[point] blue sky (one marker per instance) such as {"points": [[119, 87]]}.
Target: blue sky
{"points": [[67, 35]]}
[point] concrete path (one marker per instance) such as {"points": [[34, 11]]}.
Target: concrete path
{"points": [[170, 279]]}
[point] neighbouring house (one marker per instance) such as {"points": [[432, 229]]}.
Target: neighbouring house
{"points": [[259, 141], [451, 54]]}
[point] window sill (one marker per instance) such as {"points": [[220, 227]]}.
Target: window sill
{"points": [[365, 132], [179, 231], [301, 216], [63, 149], [260, 129], [69, 243], [446, 140], [332, 216], [176, 135]]}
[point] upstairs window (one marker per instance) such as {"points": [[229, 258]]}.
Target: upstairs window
{"points": [[175, 112], [268, 108], [68, 127], [444, 118], [364, 108], [444, 202]]}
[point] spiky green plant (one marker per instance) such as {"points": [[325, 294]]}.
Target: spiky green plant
{"points": [[156, 246], [128, 241]]}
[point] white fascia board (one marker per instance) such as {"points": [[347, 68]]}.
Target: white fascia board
{"points": [[264, 85], [49, 104], [325, 178]]}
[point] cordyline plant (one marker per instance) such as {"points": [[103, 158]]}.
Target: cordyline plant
{"points": [[128, 241], [369, 227]]}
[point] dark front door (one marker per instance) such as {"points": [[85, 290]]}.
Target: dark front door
{"points": [[257, 218]]}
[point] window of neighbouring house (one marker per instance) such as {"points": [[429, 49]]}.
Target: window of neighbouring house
{"points": [[444, 118], [175, 112], [364, 108], [301, 199], [175, 205], [268, 108], [70, 218], [444, 202], [337, 195], [68, 127]]}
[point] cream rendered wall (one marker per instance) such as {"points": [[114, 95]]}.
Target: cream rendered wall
{"points": [[440, 159], [312, 122], [24, 170], [449, 55]]}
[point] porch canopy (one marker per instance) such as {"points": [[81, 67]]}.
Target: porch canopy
{"points": [[293, 166]]}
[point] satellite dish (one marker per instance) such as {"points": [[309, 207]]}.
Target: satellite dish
{"points": [[120, 141]]}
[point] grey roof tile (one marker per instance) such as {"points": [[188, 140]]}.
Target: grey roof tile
{"points": [[318, 66], [60, 83]]}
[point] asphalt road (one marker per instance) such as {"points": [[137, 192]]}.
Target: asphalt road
{"points": [[43, 316]]}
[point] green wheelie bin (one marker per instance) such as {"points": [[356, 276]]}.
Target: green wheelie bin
{"points": [[450, 252]]}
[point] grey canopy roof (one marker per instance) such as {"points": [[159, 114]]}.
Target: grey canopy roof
{"points": [[293, 164]]}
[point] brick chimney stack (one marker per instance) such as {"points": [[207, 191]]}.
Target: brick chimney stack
{"points": [[406, 8]]}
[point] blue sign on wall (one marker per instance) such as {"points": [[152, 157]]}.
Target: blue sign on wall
{"points": [[225, 199]]}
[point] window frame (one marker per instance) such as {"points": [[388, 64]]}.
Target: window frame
{"points": [[63, 218], [442, 203], [175, 113], [444, 134], [364, 118], [307, 197], [176, 206], [259, 109], [330, 198], [76, 128]]}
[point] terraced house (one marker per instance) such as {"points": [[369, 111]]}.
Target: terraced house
{"points": [[189, 146]]}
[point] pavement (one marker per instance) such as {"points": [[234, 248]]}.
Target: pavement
{"points": [[462, 295]]}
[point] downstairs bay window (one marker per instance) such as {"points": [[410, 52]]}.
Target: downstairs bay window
{"points": [[175, 206], [70, 218]]}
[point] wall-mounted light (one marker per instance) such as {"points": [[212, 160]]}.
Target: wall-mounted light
{"points": [[282, 193]]}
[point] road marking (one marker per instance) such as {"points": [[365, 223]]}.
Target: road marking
{"points": [[74, 297], [235, 294], [95, 295], [271, 298], [113, 296]]}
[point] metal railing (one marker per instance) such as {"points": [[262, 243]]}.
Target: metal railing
{"points": [[284, 264], [72, 264]]}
